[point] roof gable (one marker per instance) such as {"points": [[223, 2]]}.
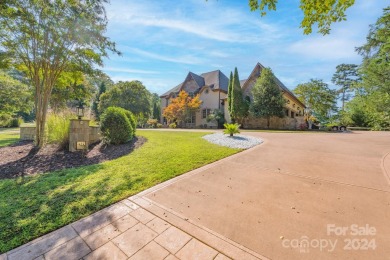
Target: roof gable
{"points": [[256, 73]]}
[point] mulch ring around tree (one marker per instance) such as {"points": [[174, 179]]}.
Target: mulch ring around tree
{"points": [[22, 159]]}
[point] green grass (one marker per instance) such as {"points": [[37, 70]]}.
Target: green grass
{"points": [[33, 206], [8, 136]]}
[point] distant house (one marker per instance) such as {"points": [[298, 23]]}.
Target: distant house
{"points": [[212, 88]]}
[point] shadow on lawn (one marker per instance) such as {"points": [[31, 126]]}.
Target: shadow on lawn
{"points": [[33, 206]]}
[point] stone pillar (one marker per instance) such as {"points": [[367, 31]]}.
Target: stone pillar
{"points": [[78, 135]]}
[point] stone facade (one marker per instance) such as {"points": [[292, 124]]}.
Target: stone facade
{"points": [[27, 133], [212, 88], [80, 131]]}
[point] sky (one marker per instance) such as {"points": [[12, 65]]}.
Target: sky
{"points": [[161, 41]]}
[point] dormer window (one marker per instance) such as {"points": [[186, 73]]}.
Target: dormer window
{"points": [[206, 91], [191, 94]]}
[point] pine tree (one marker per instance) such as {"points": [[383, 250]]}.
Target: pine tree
{"points": [[268, 100]]}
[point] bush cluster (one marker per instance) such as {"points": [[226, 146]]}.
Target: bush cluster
{"points": [[9, 121], [117, 125]]}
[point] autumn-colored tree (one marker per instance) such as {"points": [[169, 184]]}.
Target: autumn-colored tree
{"points": [[181, 107]]}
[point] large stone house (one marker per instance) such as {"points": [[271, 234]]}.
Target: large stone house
{"points": [[212, 88]]}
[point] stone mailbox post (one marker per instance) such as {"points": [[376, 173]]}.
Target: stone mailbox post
{"points": [[79, 135]]}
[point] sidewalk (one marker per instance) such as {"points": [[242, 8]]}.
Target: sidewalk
{"points": [[128, 230]]}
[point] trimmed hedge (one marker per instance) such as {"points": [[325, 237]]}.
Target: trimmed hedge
{"points": [[131, 118], [115, 126]]}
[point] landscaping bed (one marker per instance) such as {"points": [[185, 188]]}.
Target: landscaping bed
{"points": [[21, 158]]}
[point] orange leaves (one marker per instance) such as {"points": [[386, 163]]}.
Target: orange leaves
{"points": [[181, 106]]}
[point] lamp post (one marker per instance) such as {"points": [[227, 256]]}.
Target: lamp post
{"points": [[80, 111]]}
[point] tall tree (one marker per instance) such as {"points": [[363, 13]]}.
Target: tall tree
{"points": [[101, 82], [156, 110], [268, 100], [181, 107], [238, 107], [130, 95], [346, 76], [320, 12], [46, 37], [319, 99], [375, 69], [230, 90]]}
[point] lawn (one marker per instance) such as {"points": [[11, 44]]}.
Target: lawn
{"points": [[8, 136], [33, 206]]}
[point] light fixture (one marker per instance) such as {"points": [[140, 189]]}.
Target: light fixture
{"points": [[80, 111]]}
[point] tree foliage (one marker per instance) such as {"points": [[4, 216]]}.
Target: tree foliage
{"points": [[320, 12], [46, 38], [71, 88], [346, 76], [319, 99], [181, 107], [156, 109], [230, 90], [130, 95], [15, 96], [101, 82], [238, 108], [268, 100], [375, 69], [371, 106]]}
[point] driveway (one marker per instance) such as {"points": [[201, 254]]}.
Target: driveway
{"points": [[296, 196]]}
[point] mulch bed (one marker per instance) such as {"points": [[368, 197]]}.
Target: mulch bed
{"points": [[22, 159]]}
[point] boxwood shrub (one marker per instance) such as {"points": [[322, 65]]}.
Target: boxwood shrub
{"points": [[115, 126]]}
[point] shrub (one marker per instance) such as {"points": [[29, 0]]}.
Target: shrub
{"points": [[115, 126], [16, 122], [159, 125], [58, 128], [132, 120], [231, 129], [152, 122], [173, 125]]}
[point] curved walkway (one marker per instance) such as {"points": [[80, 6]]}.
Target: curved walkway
{"points": [[296, 196]]}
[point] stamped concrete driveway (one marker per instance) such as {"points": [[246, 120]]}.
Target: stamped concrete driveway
{"points": [[296, 196]]}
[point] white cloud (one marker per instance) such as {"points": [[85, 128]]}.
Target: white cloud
{"points": [[111, 69], [185, 59]]}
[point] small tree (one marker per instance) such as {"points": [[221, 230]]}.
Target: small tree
{"points": [[268, 100], [318, 98], [181, 107], [46, 38]]}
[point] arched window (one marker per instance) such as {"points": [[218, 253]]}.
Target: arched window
{"points": [[248, 99]]}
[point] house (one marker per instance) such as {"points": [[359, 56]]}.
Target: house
{"points": [[212, 88]]}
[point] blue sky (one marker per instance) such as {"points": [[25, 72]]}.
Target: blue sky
{"points": [[162, 40]]}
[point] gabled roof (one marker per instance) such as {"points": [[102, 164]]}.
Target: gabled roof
{"points": [[256, 73], [198, 79], [213, 79], [242, 82], [216, 79]]}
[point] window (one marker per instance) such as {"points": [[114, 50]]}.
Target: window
{"points": [[191, 94], [287, 112], [207, 91], [248, 99], [206, 112], [292, 114]]}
